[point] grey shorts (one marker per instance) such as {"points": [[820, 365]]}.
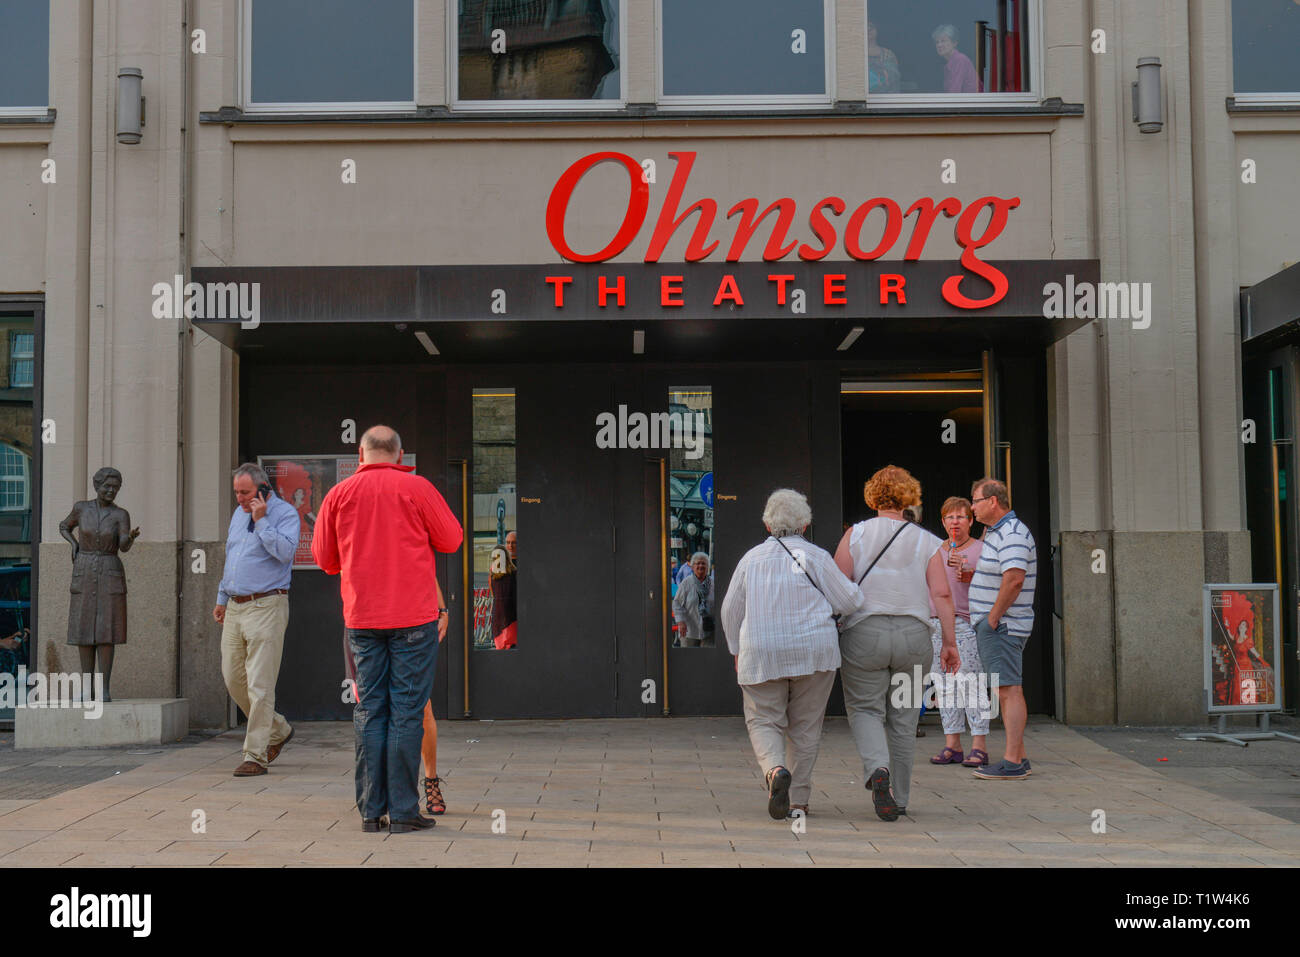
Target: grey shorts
{"points": [[1001, 653]]}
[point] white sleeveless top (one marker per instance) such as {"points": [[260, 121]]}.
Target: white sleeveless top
{"points": [[896, 585]]}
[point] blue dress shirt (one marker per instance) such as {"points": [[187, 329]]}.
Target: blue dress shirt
{"points": [[260, 559]]}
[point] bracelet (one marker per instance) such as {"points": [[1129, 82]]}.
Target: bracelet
{"points": [[441, 612]]}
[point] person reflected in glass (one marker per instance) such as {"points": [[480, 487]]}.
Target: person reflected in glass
{"points": [[883, 73], [693, 605], [959, 73], [501, 569], [779, 620]]}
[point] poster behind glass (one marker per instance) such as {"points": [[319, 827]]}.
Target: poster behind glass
{"points": [[495, 554], [689, 428], [1241, 647], [303, 481]]}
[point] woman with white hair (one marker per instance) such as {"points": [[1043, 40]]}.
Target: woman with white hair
{"points": [[777, 617], [693, 605]]}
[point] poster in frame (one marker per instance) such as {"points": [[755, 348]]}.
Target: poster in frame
{"points": [[1242, 648], [303, 481]]}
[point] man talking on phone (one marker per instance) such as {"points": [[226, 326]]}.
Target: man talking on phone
{"points": [[253, 610]]}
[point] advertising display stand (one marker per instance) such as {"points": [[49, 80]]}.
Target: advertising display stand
{"points": [[1241, 647]]}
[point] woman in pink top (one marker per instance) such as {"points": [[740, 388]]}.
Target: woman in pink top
{"points": [[958, 73], [963, 697]]}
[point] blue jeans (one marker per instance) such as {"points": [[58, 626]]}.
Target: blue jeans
{"points": [[394, 675]]}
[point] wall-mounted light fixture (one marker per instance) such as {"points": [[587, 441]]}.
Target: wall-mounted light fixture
{"points": [[130, 104], [1147, 111]]}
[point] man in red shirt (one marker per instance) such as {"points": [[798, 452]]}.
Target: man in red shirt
{"points": [[380, 529]]}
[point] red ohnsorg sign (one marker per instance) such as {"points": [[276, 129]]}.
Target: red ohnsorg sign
{"points": [[778, 244]]}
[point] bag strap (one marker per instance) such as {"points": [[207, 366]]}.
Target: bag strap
{"points": [[805, 572], [883, 550]]}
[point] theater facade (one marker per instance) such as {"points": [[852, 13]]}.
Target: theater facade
{"points": [[615, 270]]}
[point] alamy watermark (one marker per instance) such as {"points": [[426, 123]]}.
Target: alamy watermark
{"points": [[966, 689], [656, 430], [54, 690], [1102, 300], [208, 300]]}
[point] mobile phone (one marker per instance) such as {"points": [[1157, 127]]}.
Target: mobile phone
{"points": [[264, 491]]}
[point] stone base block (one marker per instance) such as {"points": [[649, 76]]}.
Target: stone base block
{"points": [[129, 721]]}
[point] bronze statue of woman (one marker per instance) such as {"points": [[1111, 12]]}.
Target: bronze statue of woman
{"points": [[97, 615]]}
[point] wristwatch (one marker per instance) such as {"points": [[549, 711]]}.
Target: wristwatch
{"points": [[441, 612]]}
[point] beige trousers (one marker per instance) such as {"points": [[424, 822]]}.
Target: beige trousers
{"points": [[793, 708], [252, 641]]}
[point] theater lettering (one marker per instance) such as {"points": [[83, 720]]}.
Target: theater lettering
{"points": [[823, 237]]}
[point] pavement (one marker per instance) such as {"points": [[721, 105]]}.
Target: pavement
{"points": [[651, 792]]}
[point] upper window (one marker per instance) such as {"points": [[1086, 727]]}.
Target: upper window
{"points": [[530, 53], [1264, 38], [22, 360], [328, 55], [944, 49], [744, 51], [24, 56]]}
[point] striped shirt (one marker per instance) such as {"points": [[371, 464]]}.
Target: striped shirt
{"points": [[776, 621], [1007, 545]]}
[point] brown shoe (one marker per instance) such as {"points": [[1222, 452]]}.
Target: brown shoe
{"points": [[273, 751], [249, 769]]}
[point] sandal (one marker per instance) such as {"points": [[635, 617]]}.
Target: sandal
{"points": [[778, 794], [433, 802], [951, 756], [977, 759]]}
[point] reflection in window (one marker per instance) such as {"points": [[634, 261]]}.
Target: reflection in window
{"points": [[16, 449], [690, 515], [22, 353], [744, 48], [948, 46], [24, 54], [539, 50], [1265, 35], [496, 542], [333, 51]]}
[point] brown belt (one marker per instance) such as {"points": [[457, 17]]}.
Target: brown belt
{"points": [[241, 599]]}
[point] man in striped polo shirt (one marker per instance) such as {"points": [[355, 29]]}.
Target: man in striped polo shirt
{"points": [[1002, 613]]}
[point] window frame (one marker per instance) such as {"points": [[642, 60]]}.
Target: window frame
{"points": [[324, 107], [38, 111], [530, 106], [1289, 98], [974, 102], [775, 101]]}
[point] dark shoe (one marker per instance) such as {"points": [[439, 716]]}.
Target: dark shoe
{"points": [[433, 802], [249, 769], [948, 756], [416, 824], [1004, 771], [372, 825], [977, 759], [778, 793], [273, 751], [881, 796]]}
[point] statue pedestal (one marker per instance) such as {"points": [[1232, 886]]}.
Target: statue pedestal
{"points": [[129, 721]]}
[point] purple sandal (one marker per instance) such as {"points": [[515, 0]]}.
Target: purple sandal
{"points": [[977, 759], [950, 756]]}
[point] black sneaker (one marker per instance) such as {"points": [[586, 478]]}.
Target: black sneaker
{"points": [[415, 824], [881, 796], [778, 794]]}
